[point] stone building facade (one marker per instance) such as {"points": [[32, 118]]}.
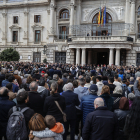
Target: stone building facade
{"points": [[69, 31]]}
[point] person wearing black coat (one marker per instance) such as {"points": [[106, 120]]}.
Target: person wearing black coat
{"points": [[117, 95], [100, 124], [50, 107], [2, 77], [5, 106], [36, 102], [71, 100], [121, 114], [22, 99]]}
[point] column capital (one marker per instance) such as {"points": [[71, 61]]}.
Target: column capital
{"points": [[26, 13], [111, 48], [4, 14]]}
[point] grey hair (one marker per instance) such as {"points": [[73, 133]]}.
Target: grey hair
{"points": [[16, 72], [118, 90], [99, 101], [131, 96], [3, 71], [33, 86], [131, 78], [69, 86], [55, 76], [54, 87], [64, 87], [21, 90]]}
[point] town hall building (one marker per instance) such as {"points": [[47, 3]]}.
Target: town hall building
{"points": [[68, 31]]}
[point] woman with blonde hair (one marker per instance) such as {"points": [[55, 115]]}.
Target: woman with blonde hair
{"points": [[105, 94], [50, 107]]}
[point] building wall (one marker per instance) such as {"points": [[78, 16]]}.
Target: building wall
{"points": [[84, 12]]}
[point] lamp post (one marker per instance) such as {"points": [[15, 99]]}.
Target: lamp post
{"points": [[45, 50]]}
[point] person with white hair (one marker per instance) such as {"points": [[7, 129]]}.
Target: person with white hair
{"points": [[131, 97], [117, 95], [18, 78], [100, 124], [71, 100]]}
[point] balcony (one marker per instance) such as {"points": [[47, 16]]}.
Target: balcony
{"points": [[99, 39]]}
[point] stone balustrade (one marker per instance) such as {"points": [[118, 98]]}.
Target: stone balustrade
{"points": [[101, 38]]}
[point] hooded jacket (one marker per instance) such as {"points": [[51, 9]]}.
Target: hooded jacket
{"points": [[55, 132], [81, 91], [43, 91], [99, 85]]}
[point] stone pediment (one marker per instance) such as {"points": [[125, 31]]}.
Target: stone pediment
{"points": [[14, 27], [37, 26]]}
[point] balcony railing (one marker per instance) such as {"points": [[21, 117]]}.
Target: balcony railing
{"points": [[101, 39]]}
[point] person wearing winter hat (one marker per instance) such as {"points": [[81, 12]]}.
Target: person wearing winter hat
{"points": [[87, 101]]}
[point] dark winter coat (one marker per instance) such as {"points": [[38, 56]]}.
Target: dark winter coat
{"points": [[111, 87], [36, 102], [100, 124], [116, 100], [87, 105], [121, 115], [2, 77], [5, 106], [50, 107], [71, 100], [108, 100]]}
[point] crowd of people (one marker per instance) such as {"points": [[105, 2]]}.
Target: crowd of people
{"points": [[41, 101]]}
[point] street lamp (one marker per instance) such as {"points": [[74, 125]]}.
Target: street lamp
{"points": [[45, 49]]}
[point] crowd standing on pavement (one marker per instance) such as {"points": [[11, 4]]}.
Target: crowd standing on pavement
{"points": [[49, 101]]}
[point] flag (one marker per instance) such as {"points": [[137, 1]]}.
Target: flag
{"points": [[105, 16], [102, 20], [99, 17]]}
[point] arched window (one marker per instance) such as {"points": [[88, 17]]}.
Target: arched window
{"points": [[139, 10], [108, 19], [64, 14], [101, 30]]}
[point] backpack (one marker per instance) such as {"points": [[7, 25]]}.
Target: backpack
{"points": [[125, 91], [16, 127]]}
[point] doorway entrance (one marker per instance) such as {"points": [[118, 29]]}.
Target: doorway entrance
{"points": [[102, 58], [37, 56]]}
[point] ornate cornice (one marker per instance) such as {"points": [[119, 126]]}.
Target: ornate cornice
{"points": [[14, 27]]}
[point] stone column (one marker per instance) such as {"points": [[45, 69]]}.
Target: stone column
{"points": [[71, 16], [79, 13], [133, 16], [4, 31], [25, 26], [77, 56], [127, 11], [52, 13], [89, 57], [83, 56], [111, 57], [117, 60]]}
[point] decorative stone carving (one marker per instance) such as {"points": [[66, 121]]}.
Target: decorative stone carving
{"points": [[4, 14], [14, 27]]}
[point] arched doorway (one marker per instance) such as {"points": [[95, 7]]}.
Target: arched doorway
{"points": [[102, 29]]}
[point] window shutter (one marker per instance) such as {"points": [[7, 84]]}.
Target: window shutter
{"points": [[17, 19], [40, 19], [34, 18], [16, 36]]}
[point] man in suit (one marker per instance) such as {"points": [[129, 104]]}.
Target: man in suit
{"points": [[71, 100]]}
